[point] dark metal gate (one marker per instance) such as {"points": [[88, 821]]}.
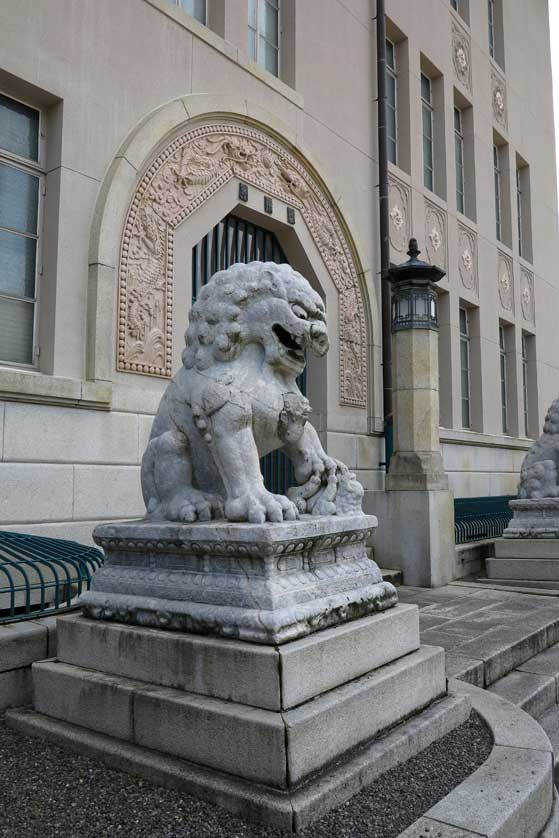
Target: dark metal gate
{"points": [[236, 240]]}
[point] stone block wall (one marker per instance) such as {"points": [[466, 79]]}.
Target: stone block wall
{"points": [[20, 645]]}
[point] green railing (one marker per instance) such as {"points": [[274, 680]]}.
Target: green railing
{"points": [[479, 518], [40, 576]]}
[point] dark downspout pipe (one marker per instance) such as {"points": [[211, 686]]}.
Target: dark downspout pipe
{"points": [[384, 234]]}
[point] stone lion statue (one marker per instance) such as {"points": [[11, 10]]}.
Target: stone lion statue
{"points": [[538, 475], [235, 399]]}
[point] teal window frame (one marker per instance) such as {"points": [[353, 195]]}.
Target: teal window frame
{"points": [[18, 233]]}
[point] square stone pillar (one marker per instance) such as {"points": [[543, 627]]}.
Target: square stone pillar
{"points": [[417, 522]]}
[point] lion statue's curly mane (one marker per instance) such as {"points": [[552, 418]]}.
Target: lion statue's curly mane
{"points": [[236, 398]]}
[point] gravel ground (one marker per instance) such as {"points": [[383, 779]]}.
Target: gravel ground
{"points": [[47, 791]]}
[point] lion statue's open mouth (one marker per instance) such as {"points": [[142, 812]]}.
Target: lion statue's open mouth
{"points": [[236, 398]]}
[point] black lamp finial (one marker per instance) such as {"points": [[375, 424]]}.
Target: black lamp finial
{"points": [[413, 250]]}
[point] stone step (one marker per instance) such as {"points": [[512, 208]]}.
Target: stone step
{"points": [[392, 574], [279, 749], [538, 570], [550, 723], [546, 663], [534, 694], [526, 585]]}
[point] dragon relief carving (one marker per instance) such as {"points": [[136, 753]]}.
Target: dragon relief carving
{"points": [[183, 176]]}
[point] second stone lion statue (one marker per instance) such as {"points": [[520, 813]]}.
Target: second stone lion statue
{"points": [[236, 398]]}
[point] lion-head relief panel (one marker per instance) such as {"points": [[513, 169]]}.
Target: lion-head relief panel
{"points": [[189, 170]]}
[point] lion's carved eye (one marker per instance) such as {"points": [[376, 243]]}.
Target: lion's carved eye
{"points": [[298, 311]]}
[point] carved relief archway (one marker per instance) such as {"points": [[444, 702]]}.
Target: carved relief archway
{"points": [[179, 180]]}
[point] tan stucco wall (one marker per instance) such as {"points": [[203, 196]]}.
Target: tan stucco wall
{"points": [[101, 69]]}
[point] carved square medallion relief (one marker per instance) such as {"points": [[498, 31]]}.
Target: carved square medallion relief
{"points": [[461, 55], [435, 235], [499, 99], [399, 214], [527, 295], [467, 259], [505, 282]]}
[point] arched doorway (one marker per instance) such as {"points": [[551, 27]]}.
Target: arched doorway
{"points": [[232, 240]]}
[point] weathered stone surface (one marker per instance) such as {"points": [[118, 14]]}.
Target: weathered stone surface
{"points": [[466, 669], [83, 697], [546, 663], [21, 644], [229, 669], [523, 568], [550, 724], [527, 548], [532, 693], [320, 730], [277, 748], [509, 796], [15, 688], [510, 726], [318, 663], [236, 398], [244, 741], [267, 583], [254, 801], [261, 676]]}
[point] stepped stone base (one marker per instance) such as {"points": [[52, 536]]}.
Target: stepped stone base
{"points": [[267, 720], [292, 810], [266, 583], [530, 559]]}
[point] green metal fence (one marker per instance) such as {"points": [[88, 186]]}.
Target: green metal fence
{"points": [[479, 518], [40, 576]]}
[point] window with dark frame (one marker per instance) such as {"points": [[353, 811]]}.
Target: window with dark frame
{"points": [[459, 160], [21, 188], [503, 372], [198, 9], [465, 367], [391, 103], [491, 26], [427, 127], [497, 184], [264, 34], [525, 398]]}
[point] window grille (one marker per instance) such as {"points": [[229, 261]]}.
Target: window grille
{"points": [[237, 240], [21, 188]]}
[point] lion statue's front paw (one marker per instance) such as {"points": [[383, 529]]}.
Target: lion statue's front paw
{"points": [[258, 506]]}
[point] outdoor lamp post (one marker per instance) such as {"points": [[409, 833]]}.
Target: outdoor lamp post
{"points": [[414, 297], [420, 536]]}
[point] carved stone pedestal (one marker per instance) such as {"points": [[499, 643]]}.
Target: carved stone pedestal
{"points": [[266, 583], [529, 549], [278, 729]]}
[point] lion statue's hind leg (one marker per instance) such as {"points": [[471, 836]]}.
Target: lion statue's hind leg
{"points": [[167, 482]]}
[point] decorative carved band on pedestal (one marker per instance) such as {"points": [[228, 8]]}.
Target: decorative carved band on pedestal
{"points": [[183, 176]]}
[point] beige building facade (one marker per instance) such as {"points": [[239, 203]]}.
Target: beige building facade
{"points": [[129, 131]]}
